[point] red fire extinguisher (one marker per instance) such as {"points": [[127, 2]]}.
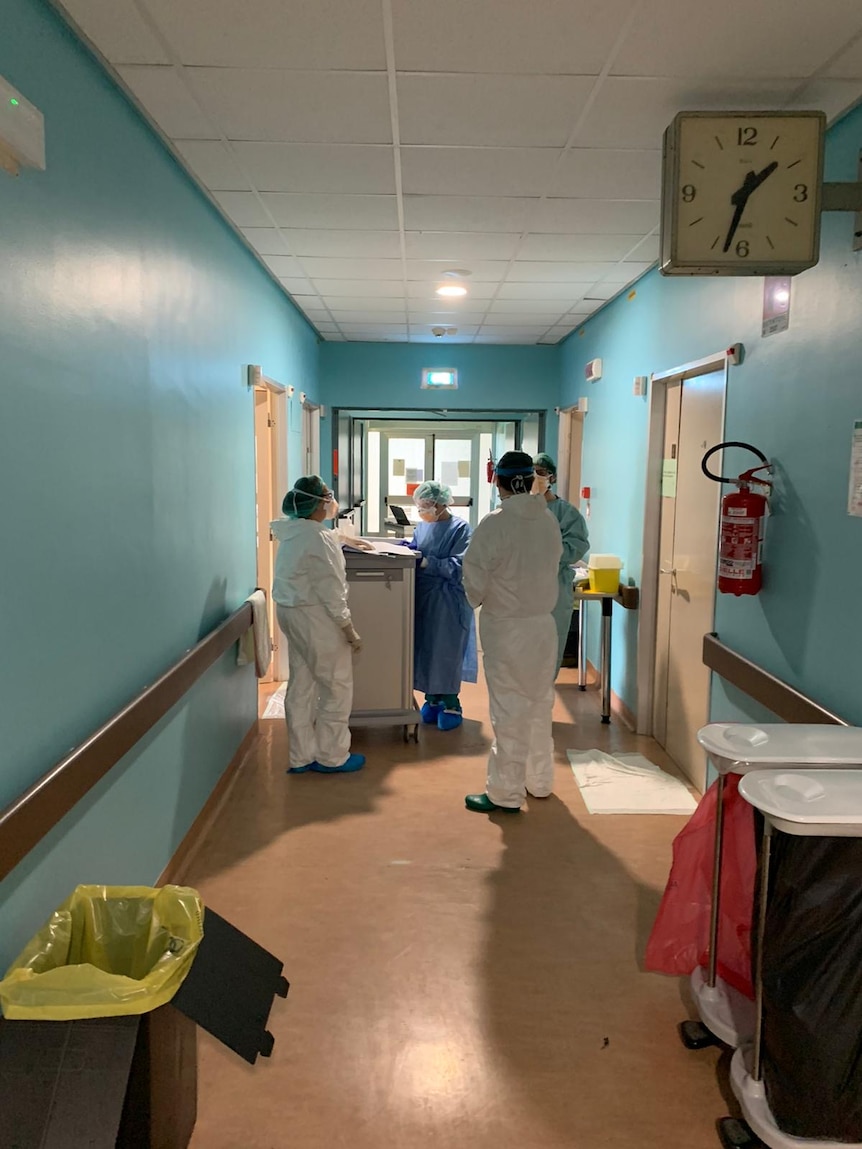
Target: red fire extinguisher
{"points": [[490, 467], [743, 526]]}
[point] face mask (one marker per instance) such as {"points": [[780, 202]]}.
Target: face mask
{"points": [[331, 507], [428, 516]]}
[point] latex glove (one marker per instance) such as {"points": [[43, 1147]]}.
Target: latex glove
{"points": [[541, 484], [361, 544], [352, 637], [424, 563]]}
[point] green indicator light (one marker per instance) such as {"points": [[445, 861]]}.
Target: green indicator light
{"points": [[14, 102]]}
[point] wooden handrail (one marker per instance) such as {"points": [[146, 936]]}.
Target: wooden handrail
{"points": [[26, 821], [783, 700]]}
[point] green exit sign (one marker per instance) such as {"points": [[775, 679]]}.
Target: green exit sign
{"points": [[439, 378]]}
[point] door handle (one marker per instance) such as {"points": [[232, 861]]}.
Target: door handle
{"points": [[667, 570]]}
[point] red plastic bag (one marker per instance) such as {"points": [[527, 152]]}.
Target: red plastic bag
{"points": [[679, 941]]}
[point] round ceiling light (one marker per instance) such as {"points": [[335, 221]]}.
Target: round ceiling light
{"points": [[451, 290]]}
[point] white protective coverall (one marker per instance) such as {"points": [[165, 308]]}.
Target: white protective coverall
{"points": [[310, 593], [510, 570]]}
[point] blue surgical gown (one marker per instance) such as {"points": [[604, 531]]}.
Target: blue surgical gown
{"points": [[445, 651], [576, 543]]}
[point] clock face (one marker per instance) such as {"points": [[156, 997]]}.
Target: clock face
{"points": [[741, 194]]}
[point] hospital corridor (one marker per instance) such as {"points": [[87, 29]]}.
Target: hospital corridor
{"points": [[430, 535]]}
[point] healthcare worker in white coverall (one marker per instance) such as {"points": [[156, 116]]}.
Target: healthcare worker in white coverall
{"points": [[510, 570], [310, 593]]}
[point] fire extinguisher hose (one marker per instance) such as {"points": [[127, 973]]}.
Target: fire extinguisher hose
{"points": [[721, 447]]}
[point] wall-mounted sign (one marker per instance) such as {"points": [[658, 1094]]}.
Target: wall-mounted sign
{"points": [[854, 502], [439, 379], [776, 304]]}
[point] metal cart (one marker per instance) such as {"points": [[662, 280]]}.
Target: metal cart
{"points": [[825, 803], [727, 1015], [381, 589]]}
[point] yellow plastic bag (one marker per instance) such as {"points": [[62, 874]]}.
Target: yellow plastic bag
{"points": [[107, 951]]}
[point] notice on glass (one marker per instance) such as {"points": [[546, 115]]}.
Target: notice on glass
{"points": [[449, 473], [399, 466], [463, 468], [854, 502], [668, 479]]}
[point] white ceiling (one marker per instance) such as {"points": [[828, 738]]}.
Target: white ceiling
{"points": [[365, 147]]}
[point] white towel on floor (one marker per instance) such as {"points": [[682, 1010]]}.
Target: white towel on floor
{"points": [[255, 645], [627, 784]]}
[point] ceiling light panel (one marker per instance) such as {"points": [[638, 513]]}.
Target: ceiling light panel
{"points": [[487, 111], [275, 33], [296, 107], [478, 171]]}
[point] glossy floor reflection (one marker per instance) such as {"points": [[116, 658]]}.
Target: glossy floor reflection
{"points": [[456, 981]]}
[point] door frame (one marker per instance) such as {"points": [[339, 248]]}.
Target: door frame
{"points": [[311, 416], [278, 395], [570, 446], [649, 591]]}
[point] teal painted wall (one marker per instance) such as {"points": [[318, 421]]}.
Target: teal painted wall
{"points": [[127, 308], [796, 397], [490, 378]]}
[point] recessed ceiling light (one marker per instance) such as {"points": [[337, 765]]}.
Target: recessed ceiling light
{"points": [[451, 290]]}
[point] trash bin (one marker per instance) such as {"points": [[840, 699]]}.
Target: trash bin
{"points": [[802, 1076], [123, 1073]]}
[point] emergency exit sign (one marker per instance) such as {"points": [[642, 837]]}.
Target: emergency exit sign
{"points": [[439, 378]]}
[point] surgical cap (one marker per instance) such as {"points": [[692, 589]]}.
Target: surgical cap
{"points": [[437, 494], [544, 460], [307, 495]]}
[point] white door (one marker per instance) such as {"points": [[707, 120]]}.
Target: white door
{"points": [[569, 450], [266, 454], [688, 558]]}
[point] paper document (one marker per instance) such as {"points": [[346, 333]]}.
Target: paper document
{"points": [[381, 547]]}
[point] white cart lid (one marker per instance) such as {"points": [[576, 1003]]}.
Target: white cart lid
{"points": [[825, 802], [736, 748]]}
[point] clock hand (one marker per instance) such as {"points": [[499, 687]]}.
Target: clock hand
{"points": [[763, 175], [739, 199]]}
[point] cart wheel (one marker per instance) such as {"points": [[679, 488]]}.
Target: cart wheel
{"points": [[733, 1133], [416, 734], [405, 733], [695, 1035]]}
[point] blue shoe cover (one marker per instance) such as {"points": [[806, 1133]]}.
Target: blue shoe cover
{"points": [[354, 762], [430, 713], [300, 769], [449, 719]]}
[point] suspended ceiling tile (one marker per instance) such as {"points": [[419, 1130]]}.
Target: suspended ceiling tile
{"points": [[327, 329], [633, 112], [457, 247], [319, 267], [334, 168], [243, 208], [485, 110], [365, 289], [284, 265], [168, 101], [375, 337], [118, 30], [538, 291], [214, 165], [503, 320], [595, 216], [339, 303], [556, 334], [296, 107], [530, 333], [331, 338], [372, 212], [734, 38], [374, 328], [599, 293], [432, 270], [463, 332], [647, 249], [848, 66], [526, 272], [530, 308], [308, 302], [834, 97], [558, 36], [347, 244], [478, 171], [274, 33], [577, 247], [627, 272], [266, 240], [509, 336], [370, 318], [316, 315], [423, 311], [609, 173], [296, 287], [465, 213]]}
